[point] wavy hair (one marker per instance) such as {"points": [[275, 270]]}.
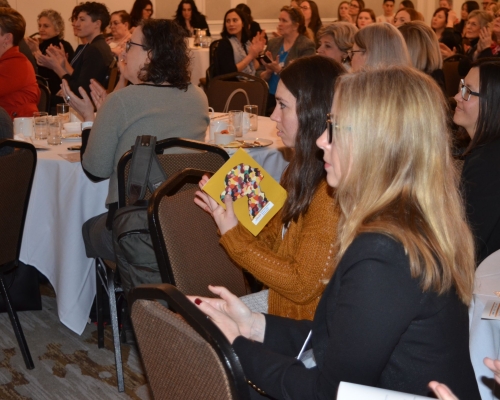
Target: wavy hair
{"points": [[55, 19], [296, 17], [96, 12], [414, 14], [401, 178], [12, 22], [423, 46], [342, 34], [167, 51], [311, 81], [315, 23], [488, 120], [384, 45], [483, 17]]}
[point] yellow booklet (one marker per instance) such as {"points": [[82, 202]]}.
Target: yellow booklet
{"points": [[257, 196]]}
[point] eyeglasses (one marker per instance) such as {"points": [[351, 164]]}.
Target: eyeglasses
{"points": [[353, 5], [130, 43], [350, 53], [330, 126], [465, 91]]}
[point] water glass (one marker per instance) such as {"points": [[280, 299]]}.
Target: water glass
{"points": [[41, 125], [252, 112], [236, 120], [63, 112], [54, 137]]}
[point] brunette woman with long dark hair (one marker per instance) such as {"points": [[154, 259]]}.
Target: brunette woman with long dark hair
{"points": [[189, 18], [293, 254]]}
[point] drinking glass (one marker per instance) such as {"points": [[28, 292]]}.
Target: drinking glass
{"points": [[63, 112], [252, 112], [41, 125], [236, 119], [54, 137]]}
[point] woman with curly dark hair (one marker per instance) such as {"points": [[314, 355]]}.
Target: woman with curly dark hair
{"points": [[188, 17], [141, 10], [161, 101]]}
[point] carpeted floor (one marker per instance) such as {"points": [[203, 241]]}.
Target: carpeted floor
{"points": [[67, 366]]}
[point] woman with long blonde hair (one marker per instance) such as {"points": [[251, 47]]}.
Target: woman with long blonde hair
{"points": [[394, 313]]}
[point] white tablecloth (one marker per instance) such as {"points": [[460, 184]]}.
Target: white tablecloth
{"points": [[200, 61], [62, 199], [485, 334]]}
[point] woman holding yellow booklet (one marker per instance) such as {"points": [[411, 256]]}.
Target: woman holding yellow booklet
{"points": [[293, 256]]}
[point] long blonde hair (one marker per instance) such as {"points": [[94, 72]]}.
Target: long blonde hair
{"points": [[401, 180]]}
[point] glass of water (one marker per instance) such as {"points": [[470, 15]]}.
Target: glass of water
{"points": [[41, 125], [54, 137], [236, 120], [63, 112]]}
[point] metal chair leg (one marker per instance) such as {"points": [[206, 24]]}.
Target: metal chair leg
{"points": [[100, 269], [16, 325], [116, 330]]}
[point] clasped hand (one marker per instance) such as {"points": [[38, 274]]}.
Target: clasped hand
{"points": [[225, 219], [84, 105]]}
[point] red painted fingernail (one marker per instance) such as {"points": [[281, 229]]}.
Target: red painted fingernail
{"points": [[197, 301]]}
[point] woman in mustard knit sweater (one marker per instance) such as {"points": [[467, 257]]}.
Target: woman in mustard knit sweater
{"points": [[293, 255]]}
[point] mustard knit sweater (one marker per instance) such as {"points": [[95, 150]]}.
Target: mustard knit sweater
{"points": [[293, 267]]}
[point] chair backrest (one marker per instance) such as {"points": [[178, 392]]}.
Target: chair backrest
{"points": [[451, 74], [211, 69], [186, 241], [44, 102], [17, 169], [207, 157], [112, 76], [185, 355], [221, 87]]}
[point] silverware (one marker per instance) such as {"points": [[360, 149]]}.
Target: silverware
{"points": [[220, 116]]}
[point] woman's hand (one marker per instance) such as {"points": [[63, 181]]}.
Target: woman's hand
{"points": [[98, 93], [225, 219], [273, 66], [442, 391], [484, 40], [231, 315], [446, 51], [258, 44], [82, 105], [452, 19], [494, 365], [32, 44]]}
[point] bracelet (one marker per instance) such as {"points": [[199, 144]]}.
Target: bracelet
{"points": [[87, 125]]}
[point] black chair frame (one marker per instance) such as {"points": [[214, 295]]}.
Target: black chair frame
{"points": [[179, 303], [16, 325]]}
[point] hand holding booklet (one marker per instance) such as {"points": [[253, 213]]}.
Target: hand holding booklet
{"points": [[257, 196], [352, 391]]}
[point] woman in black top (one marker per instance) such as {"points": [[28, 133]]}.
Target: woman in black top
{"points": [[141, 10], [51, 33], [478, 102], [188, 16]]}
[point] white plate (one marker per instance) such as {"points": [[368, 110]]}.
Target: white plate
{"points": [[71, 138], [246, 143]]}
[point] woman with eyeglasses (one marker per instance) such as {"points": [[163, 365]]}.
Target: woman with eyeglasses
{"points": [[281, 51], [355, 6], [394, 314], [311, 15], [378, 46], [120, 33], [478, 101], [293, 254], [141, 11], [489, 40], [335, 40], [161, 101]]}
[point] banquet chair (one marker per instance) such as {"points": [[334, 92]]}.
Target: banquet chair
{"points": [[186, 241], [206, 156], [221, 87], [17, 169], [44, 102], [185, 354], [112, 77], [210, 73], [451, 74]]}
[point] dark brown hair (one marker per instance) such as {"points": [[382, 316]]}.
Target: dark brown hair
{"points": [[297, 18], [12, 22], [311, 81]]}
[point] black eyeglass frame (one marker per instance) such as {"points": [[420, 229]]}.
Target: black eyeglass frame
{"points": [[464, 89], [329, 128], [129, 44]]}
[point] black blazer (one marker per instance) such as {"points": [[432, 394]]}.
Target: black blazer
{"points": [[373, 326], [93, 62], [481, 190]]}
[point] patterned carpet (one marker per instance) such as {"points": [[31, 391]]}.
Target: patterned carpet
{"points": [[67, 366]]}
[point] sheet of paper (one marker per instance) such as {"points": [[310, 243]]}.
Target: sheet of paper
{"points": [[352, 391], [72, 157], [491, 310]]}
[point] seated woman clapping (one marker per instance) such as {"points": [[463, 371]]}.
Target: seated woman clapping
{"points": [[235, 52], [293, 254], [394, 313]]}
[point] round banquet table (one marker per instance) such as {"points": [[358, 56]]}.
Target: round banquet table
{"points": [[200, 61], [63, 198]]}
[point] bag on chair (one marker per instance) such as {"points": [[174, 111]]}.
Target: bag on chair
{"points": [[131, 238]]}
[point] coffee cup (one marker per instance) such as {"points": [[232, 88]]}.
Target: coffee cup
{"points": [[217, 125], [225, 136], [23, 126]]}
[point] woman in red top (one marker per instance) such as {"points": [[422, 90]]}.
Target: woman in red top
{"points": [[19, 93]]}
